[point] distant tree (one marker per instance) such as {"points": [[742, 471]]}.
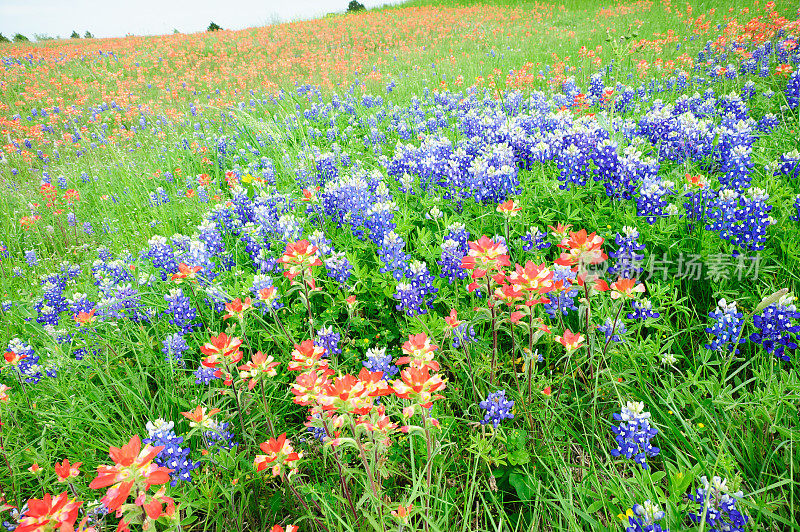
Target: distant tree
{"points": [[42, 37], [74, 35], [20, 38], [214, 26], [88, 35], [175, 31], [355, 6], [3, 38]]}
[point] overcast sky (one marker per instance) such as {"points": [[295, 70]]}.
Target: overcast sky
{"points": [[116, 18]]}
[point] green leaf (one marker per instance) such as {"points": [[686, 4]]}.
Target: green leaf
{"points": [[519, 457], [523, 485], [596, 505]]}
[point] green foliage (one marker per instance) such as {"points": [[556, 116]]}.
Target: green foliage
{"points": [[355, 6]]}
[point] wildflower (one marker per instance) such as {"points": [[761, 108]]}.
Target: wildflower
{"points": [[508, 208], [66, 471], [643, 517], [219, 348], [268, 295], [133, 470], [186, 273], [173, 455], [627, 262], [497, 408], [35, 468], [669, 359], [642, 310], [418, 385], [378, 360], [485, 255], [329, 339], [581, 249], [727, 329], [4, 396], [611, 332], [50, 513], [260, 366], [403, 513], [307, 356], [174, 345], [200, 417], [299, 258], [626, 288], [419, 352], [535, 238], [715, 500], [237, 308], [571, 341], [634, 433], [85, 318], [535, 279], [279, 528], [775, 329], [279, 454]]}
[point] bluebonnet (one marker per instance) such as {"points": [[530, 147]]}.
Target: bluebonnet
{"points": [[218, 435], [793, 90], [643, 518], [162, 256], [158, 197], [627, 263], [410, 299], [562, 300], [329, 339], [174, 347], [87, 228], [651, 203], [80, 302], [379, 360], [204, 375], [573, 164], [391, 253], [31, 258], [535, 238], [727, 328], [454, 248], [28, 367], [642, 310], [796, 216], [260, 282], [633, 434], [776, 331], [183, 314], [717, 506], [608, 327], [497, 408], [173, 455], [463, 334], [741, 219], [789, 165]]}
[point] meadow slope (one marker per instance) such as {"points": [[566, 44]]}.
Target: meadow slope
{"points": [[439, 266]]}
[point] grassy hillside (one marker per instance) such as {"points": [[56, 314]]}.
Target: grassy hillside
{"points": [[357, 231]]}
